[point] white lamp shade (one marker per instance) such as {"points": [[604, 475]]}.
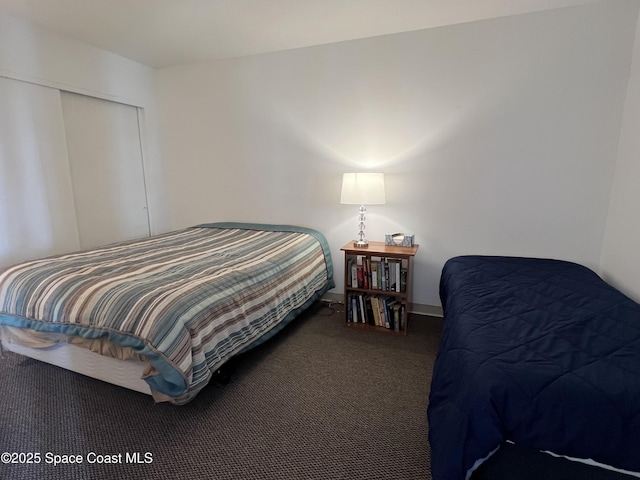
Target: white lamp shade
{"points": [[362, 189]]}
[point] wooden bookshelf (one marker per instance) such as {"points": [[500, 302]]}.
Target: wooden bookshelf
{"points": [[377, 286]]}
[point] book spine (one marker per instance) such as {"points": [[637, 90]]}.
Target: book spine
{"points": [[383, 274]]}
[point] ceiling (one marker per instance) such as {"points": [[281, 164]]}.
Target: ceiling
{"points": [[162, 33]]}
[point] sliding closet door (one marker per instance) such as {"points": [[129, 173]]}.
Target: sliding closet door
{"points": [[37, 215], [105, 159]]}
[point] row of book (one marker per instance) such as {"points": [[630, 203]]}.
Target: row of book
{"points": [[378, 310], [377, 273]]}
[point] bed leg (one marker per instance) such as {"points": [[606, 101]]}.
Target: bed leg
{"points": [[223, 374]]}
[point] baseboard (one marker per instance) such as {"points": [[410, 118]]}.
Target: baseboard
{"points": [[333, 297], [428, 310], [415, 308]]}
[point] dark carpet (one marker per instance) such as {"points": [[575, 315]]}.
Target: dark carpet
{"points": [[318, 401]]}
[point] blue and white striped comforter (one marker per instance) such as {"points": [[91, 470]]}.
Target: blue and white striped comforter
{"points": [[187, 300]]}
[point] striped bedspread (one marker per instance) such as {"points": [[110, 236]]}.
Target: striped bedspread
{"points": [[187, 300]]}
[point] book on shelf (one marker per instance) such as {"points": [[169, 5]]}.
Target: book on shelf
{"points": [[377, 273], [397, 317], [373, 300], [383, 275], [359, 272], [374, 275], [352, 269], [394, 275], [362, 309], [387, 318], [370, 314], [376, 310]]}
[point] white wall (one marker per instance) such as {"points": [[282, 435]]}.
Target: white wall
{"points": [[32, 54], [621, 252], [496, 137]]}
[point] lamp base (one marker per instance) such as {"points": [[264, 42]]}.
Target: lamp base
{"points": [[360, 244]]}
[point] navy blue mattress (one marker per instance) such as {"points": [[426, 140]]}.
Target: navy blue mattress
{"points": [[539, 352]]}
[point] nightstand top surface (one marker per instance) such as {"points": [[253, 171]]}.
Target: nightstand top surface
{"points": [[379, 248]]}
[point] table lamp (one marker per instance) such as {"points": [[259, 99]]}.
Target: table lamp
{"points": [[362, 189]]}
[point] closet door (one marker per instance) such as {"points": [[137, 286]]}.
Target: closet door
{"points": [[107, 173], [37, 215]]}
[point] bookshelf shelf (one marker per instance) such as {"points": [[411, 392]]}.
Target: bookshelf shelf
{"points": [[377, 286]]}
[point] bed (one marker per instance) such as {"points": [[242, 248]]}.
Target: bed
{"points": [[161, 314], [540, 353]]}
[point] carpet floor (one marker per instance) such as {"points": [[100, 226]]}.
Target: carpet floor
{"points": [[318, 401]]}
